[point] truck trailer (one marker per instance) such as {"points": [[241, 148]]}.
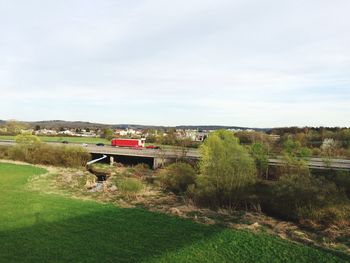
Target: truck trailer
{"points": [[133, 143]]}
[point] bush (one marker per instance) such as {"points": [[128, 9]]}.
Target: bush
{"points": [[130, 186], [327, 216], [298, 197], [177, 177], [142, 170], [316, 152], [42, 153], [342, 179], [27, 138], [4, 152]]}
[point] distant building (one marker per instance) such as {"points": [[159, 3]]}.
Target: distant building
{"points": [[67, 132], [128, 132], [45, 132]]}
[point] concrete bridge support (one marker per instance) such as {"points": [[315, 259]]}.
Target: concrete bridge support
{"points": [[159, 162]]}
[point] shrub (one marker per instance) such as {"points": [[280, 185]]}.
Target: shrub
{"points": [[4, 152], [130, 186], [42, 153], [316, 152], [27, 138], [342, 180], [329, 215], [297, 197], [141, 170], [177, 177]]}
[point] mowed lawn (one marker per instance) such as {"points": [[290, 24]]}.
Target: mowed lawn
{"points": [[37, 227]]}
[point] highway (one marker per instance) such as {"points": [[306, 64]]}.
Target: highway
{"points": [[173, 153], [140, 152]]}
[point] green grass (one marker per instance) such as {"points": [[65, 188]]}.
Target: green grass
{"points": [[63, 138], [37, 227]]}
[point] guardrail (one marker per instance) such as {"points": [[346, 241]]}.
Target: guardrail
{"points": [[319, 163]]}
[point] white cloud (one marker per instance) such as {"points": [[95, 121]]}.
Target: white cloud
{"points": [[227, 62]]}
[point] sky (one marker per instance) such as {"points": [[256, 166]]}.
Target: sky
{"points": [[245, 63]]}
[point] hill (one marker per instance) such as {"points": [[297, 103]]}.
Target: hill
{"points": [[56, 124]]}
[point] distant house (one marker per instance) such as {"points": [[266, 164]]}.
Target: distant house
{"points": [[127, 132], [67, 132], [46, 132]]}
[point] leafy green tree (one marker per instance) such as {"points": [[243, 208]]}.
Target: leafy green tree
{"points": [[295, 157], [107, 134], [26, 143], [344, 137], [170, 138], [260, 153], [226, 168], [27, 139], [14, 127]]}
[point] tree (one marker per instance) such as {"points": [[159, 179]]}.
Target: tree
{"points": [[107, 134], [170, 138], [226, 168], [14, 127], [26, 143], [295, 157], [328, 148], [27, 139], [260, 154]]}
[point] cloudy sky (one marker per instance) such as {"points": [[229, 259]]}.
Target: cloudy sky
{"points": [[236, 62]]}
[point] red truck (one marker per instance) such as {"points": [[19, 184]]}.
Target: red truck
{"points": [[133, 143]]}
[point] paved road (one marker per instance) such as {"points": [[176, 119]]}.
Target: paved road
{"points": [[142, 152], [341, 164]]}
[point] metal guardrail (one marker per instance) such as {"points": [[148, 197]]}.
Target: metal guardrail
{"points": [[319, 163]]}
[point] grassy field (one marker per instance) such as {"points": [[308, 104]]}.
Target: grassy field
{"points": [[63, 138], [37, 227]]}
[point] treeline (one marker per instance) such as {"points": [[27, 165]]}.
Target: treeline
{"points": [[232, 176], [30, 149], [314, 137], [170, 137], [322, 142]]}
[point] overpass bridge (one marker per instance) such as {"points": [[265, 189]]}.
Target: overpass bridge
{"points": [[161, 156], [158, 157]]}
